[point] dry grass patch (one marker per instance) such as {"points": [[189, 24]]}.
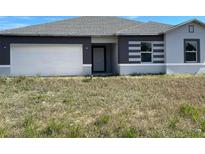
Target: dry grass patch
{"points": [[137, 106]]}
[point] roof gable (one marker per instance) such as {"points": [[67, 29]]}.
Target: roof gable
{"points": [[185, 23]]}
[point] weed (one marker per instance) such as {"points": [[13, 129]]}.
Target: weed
{"points": [[173, 122], [3, 80], [203, 110], [195, 114], [74, 131], [38, 98], [30, 128], [102, 120], [87, 79], [190, 111], [202, 125], [103, 107], [19, 79], [68, 100], [3, 132], [53, 128], [129, 133]]}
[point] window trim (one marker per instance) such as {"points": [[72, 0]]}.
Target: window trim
{"points": [[197, 51], [147, 52], [191, 26], [191, 52]]}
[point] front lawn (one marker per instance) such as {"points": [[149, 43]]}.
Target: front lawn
{"points": [[141, 106]]}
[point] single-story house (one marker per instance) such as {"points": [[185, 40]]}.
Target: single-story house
{"points": [[113, 45]]}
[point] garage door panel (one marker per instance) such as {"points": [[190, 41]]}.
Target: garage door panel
{"points": [[46, 59]]}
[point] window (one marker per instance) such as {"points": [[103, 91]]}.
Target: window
{"points": [[146, 52], [191, 28], [191, 51]]}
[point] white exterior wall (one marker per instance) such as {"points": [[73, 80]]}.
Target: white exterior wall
{"points": [[174, 49], [87, 69], [126, 69], [185, 68]]}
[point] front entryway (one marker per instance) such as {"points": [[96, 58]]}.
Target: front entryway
{"points": [[98, 59]]}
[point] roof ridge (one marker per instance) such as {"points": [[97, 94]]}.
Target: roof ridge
{"points": [[160, 23]]}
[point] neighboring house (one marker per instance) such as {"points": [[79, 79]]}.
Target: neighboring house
{"points": [[89, 45]]}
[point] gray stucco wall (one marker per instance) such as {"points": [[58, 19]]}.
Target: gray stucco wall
{"points": [[123, 45], [5, 42]]}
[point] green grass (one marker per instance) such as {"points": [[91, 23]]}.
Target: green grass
{"points": [[123, 106], [129, 133], [3, 132], [191, 111]]}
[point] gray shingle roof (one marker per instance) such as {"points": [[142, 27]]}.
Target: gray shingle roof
{"points": [[149, 28], [91, 26], [82, 26]]}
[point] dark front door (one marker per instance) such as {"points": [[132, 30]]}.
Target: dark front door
{"points": [[98, 64]]}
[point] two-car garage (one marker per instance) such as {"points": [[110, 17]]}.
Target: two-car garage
{"points": [[46, 59]]}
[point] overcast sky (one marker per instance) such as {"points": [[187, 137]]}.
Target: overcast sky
{"points": [[8, 22]]}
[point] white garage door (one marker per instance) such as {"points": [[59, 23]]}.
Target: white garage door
{"points": [[37, 59]]}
